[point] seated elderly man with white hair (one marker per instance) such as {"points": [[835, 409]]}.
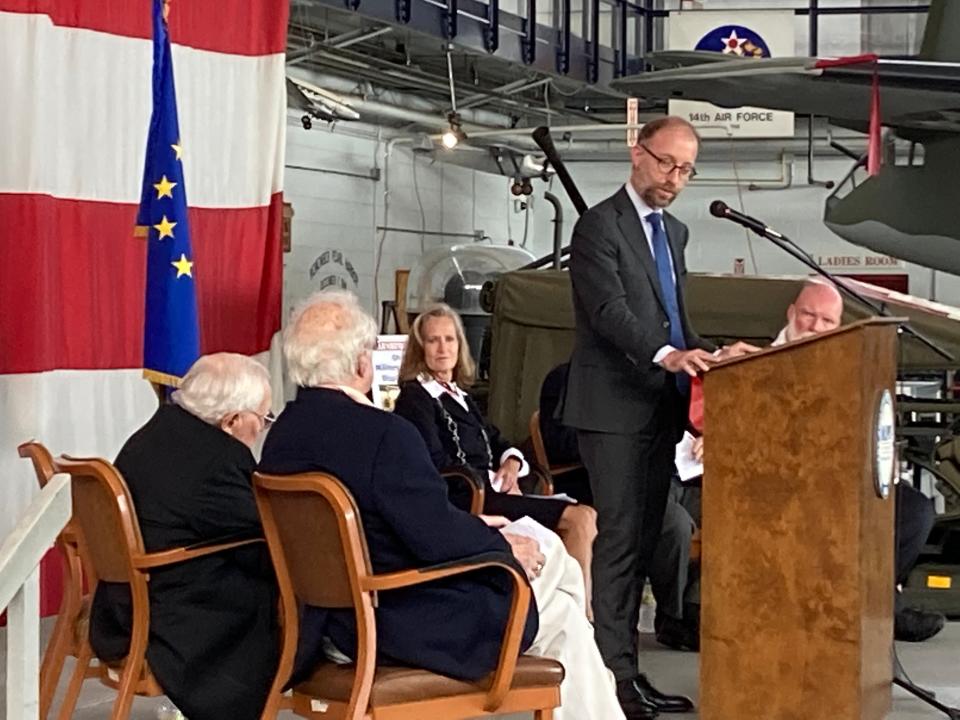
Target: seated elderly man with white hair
{"points": [[214, 640], [453, 626]]}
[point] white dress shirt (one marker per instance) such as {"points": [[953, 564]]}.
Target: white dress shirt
{"points": [[642, 211]]}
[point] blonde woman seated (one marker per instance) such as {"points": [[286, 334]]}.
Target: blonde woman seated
{"points": [[436, 369]]}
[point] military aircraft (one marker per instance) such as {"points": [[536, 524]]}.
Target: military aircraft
{"points": [[318, 103], [909, 211]]}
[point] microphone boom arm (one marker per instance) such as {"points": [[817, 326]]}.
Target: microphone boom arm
{"points": [[795, 251]]}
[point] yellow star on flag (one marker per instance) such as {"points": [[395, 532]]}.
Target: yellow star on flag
{"points": [[164, 188], [165, 228], [183, 266], [177, 148]]}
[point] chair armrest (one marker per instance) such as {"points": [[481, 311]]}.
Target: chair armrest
{"points": [[416, 576], [465, 476], [542, 482], [146, 561], [565, 468], [512, 636]]}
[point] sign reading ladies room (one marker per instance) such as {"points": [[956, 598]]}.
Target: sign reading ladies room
{"points": [[740, 34]]}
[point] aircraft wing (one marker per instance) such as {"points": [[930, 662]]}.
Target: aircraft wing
{"points": [[329, 105], [914, 94]]}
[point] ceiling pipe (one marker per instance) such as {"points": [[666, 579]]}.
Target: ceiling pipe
{"points": [[484, 127], [404, 106]]}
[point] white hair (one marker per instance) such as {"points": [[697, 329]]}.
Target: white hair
{"points": [[326, 335], [219, 384]]}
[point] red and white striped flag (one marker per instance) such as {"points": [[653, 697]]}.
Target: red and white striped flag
{"points": [[76, 90]]}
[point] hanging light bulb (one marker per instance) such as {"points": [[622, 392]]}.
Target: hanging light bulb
{"points": [[449, 139], [454, 135]]}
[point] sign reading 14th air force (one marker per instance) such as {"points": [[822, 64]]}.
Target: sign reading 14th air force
{"points": [[742, 35]]}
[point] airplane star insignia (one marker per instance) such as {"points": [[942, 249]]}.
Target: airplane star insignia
{"points": [[733, 45]]}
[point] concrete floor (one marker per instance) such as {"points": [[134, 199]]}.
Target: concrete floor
{"points": [[933, 664]]}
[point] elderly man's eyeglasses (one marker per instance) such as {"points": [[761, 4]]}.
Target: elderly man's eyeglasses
{"points": [[267, 419], [667, 166]]}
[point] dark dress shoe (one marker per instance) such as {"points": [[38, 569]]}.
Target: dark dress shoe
{"points": [[635, 705], [911, 625], [639, 690], [677, 634]]}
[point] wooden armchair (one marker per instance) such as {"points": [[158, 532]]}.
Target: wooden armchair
{"points": [[316, 540], [540, 451], [104, 512], [70, 631], [466, 487]]}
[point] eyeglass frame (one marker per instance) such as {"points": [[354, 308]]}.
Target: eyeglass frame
{"points": [[691, 170], [267, 419]]}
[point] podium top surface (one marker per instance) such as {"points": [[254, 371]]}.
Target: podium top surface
{"points": [[819, 337]]}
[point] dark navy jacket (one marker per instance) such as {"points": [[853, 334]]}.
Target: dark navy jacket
{"points": [[453, 626], [214, 639]]}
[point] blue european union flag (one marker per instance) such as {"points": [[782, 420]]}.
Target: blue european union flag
{"points": [[171, 338]]}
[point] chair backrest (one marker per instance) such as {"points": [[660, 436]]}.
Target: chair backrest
{"points": [[313, 529], [320, 556], [536, 437], [104, 510], [41, 458]]}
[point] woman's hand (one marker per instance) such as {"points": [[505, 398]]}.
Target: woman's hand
{"points": [[508, 476]]}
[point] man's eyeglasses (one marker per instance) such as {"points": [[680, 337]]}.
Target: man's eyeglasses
{"points": [[267, 419], [667, 166]]}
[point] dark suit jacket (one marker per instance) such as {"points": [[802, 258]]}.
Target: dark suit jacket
{"points": [[559, 441], [453, 626], [614, 385], [213, 621]]}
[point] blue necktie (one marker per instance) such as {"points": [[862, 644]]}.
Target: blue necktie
{"points": [[668, 287]]}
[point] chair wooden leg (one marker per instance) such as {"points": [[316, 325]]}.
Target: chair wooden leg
{"points": [[128, 686], [545, 714], [76, 682], [53, 658], [272, 707]]}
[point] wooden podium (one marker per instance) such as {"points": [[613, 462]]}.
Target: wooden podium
{"points": [[797, 583]]}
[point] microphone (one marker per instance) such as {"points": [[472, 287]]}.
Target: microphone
{"points": [[718, 208]]}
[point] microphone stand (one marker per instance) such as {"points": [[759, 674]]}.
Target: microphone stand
{"points": [[900, 677], [795, 251]]}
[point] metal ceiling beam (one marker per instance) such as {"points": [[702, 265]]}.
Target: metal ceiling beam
{"points": [[344, 40], [409, 76], [519, 38], [517, 86]]}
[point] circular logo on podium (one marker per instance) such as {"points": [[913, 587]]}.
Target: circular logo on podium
{"points": [[883, 443]]}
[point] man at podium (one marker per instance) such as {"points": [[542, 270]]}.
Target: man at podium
{"points": [[628, 384], [819, 308]]}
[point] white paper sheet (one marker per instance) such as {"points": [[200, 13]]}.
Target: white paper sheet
{"points": [[688, 467]]}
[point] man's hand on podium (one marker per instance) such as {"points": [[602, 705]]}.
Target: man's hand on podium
{"points": [[697, 449], [691, 362], [738, 349]]}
